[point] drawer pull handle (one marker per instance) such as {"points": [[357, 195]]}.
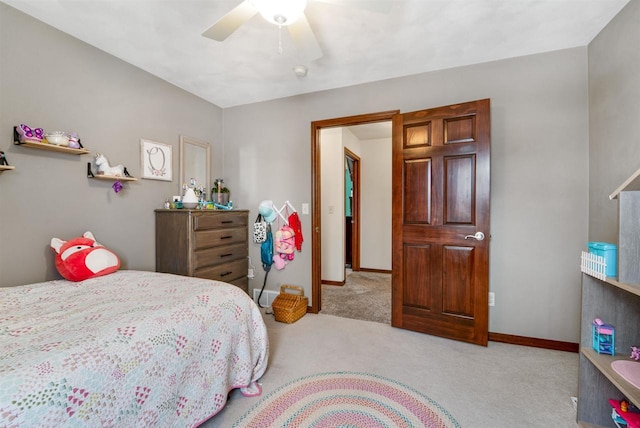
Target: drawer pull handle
{"points": [[226, 221], [225, 274], [226, 237], [226, 255]]}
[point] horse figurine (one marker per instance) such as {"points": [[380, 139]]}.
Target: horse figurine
{"points": [[105, 169]]}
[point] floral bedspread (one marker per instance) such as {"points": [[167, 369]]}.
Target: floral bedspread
{"points": [[129, 349]]}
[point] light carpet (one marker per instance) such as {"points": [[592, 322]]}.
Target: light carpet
{"points": [[346, 399], [364, 296], [498, 386]]}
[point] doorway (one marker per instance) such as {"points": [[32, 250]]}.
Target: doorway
{"points": [[317, 204], [441, 210]]}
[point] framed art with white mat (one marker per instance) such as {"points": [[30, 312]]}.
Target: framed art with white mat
{"points": [[156, 160]]}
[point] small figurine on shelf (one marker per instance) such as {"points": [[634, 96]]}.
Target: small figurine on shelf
{"points": [[27, 134], [624, 406], [3, 159], [604, 337], [104, 168], [635, 353], [74, 140]]}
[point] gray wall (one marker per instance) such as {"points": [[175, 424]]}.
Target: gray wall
{"points": [[539, 108], [375, 243], [614, 113], [540, 157], [51, 80]]}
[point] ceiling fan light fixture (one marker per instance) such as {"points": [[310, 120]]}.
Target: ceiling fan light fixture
{"points": [[280, 12]]}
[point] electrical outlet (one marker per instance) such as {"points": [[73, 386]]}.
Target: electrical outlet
{"points": [[574, 401], [492, 299]]}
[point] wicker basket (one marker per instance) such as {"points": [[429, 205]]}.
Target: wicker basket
{"points": [[288, 307]]}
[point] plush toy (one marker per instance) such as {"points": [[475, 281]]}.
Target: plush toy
{"points": [[285, 242], [83, 258], [284, 247]]}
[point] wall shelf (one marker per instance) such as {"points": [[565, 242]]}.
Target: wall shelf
{"points": [[630, 288], [603, 363], [6, 168], [90, 174], [113, 178], [47, 146], [52, 148]]}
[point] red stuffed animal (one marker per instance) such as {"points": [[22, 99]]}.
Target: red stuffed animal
{"points": [[82, 258]]}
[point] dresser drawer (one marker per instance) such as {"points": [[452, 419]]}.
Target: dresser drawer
{"points": [[226, 272], [204, 221], [217, 237], [217, 255]]}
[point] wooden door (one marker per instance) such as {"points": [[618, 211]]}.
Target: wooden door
{"points": [[440, 211]]}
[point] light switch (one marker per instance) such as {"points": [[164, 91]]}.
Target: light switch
{"points": [[305, 208]]}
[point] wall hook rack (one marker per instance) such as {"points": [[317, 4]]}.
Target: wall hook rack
{"points": [[280, 211]]}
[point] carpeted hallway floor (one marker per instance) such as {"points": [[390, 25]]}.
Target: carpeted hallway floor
{"points": [[364, 296]]}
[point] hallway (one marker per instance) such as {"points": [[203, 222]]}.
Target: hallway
{"points": [[365, 296]]}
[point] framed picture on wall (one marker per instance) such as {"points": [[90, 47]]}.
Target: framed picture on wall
{"points": [[156, 160]]}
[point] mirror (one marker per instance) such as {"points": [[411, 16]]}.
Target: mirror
{"points": [[195, 162]]}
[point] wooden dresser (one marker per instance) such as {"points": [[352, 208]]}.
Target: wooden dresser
{"points": [[203, 243]]}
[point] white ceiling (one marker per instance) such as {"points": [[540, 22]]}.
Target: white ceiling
{"points": [[371, 131], [164, 38]]}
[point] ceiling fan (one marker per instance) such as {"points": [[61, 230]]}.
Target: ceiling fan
{"points": [[288, 13]]}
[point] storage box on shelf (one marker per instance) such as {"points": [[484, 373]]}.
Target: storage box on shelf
{"points": [[610, 254]]}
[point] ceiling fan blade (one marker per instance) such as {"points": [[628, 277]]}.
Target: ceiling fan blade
{"points": [[230, 22], [304, 39], [380, 6]]}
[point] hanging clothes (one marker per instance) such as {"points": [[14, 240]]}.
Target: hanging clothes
{"points": [[266, 250], [294, 223]]}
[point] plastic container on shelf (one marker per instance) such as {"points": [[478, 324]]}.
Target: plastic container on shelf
{"points": [[609, 252]]}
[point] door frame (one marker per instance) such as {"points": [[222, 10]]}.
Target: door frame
{"points": [[316, 203], [355, 211]]}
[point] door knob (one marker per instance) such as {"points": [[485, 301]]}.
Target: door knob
{"points": [[479, 236]]}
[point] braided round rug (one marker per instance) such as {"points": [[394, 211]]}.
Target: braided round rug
{"points": [[346, 399]]}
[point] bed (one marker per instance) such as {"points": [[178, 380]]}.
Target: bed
{"points": [[127, 349]]}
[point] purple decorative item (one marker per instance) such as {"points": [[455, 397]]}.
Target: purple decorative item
{"points": [[26, 134], [117, 186], [635, 353]]}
